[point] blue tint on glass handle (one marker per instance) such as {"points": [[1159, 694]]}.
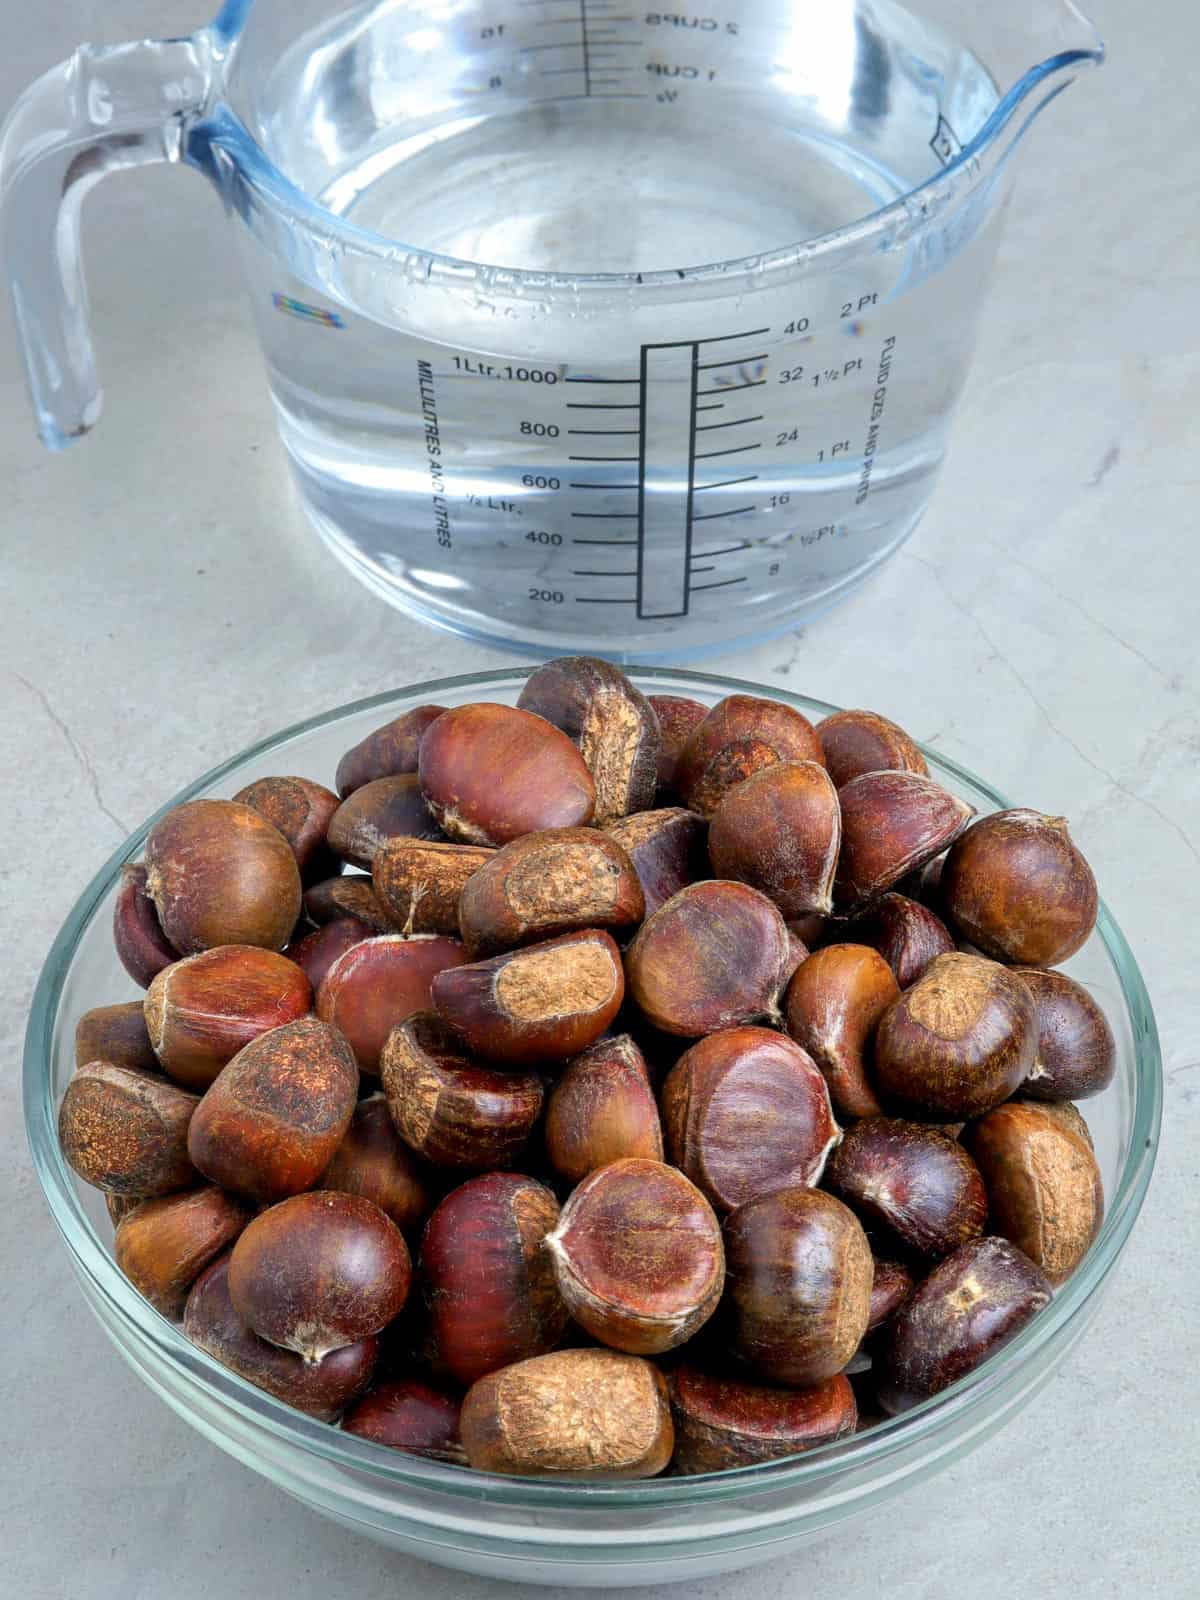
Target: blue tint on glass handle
{"points": [[127, 106]]}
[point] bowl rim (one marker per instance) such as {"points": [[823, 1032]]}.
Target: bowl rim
{"points": [[872, 1448]]}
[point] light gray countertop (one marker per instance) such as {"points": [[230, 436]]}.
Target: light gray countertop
{"points": [[163, 606]]}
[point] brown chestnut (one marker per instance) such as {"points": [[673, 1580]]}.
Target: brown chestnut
{"points": [[915, 1184], [612, 723], [723, 1422], [219, 873], [202, 1010], [545, 884], [125, 1130], [1076, 1051], [385, 808], [450, 1110], [116, 1034], [1044, 1188], [891, 1286], [740, 735], [321, 1390], [489, 1285], [164, 1245], [957, 1043], [667, 849], [379, 982], [420, 881], [301, 810], [714, 956], [270, 1123], [780, 831], [372, 1161], [892, 823], [744, 1111], [970, 1305], [602, 1109], [387, 751], [798, 1285], [1017, 887], [491, 773], [832, 1007], [678, 717], [539, 1004], [638, 1258], [905, 933], [409, 1415], [855, 742], [319, 1271], [142, 947], [589, 1414], [316, 952], [351, 896]]}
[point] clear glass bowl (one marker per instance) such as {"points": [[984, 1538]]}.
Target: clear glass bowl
{"points": [[556, 1532]]}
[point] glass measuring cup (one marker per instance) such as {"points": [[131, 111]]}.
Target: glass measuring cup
{"points": [[588, 327]]}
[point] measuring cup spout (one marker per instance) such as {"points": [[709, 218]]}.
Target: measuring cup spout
{"points": [[1060, 42]]}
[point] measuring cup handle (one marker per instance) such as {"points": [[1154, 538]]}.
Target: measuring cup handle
{"points": [[103, 110]]}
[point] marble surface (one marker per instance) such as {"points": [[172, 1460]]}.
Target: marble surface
{"points": [[1042, 628]]}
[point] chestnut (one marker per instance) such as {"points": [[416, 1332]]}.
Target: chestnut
{"points": [[372, 1161], [892, 823], [612, 723], [1044, 1188], [385, 808], [163, 1245], [667, 849], [905, 933], [387, 751], [1062, 1112], [489, 1285], [351, 896], [832, 1008], [219, 873], [798, 1285], [601, 1109], [539, 1004], [548, 883], [1076, 1051], [143, 949], [723, 1422], [744, 1111], [270, 1123], [678, 717], [116, 1034], [638, 1258], [781, 831], [714, 956], [854, 742], [891, 1286], [970, 1305], [301, 810], [319, 1271], [125, 1130], [491, 773], [420, 881], [409, 1415], [316, 952], [379, 982], [957, 1043], [589, 1414], [914, 1184], [322, 1390], [1017, 887], [740, 735], [202, 1010], [450, 1110]]}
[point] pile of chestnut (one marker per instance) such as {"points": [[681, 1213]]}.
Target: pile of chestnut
{"points": [[675, 1087]]}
